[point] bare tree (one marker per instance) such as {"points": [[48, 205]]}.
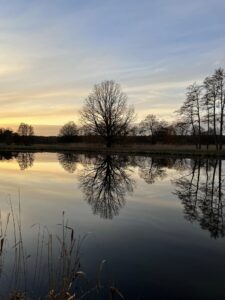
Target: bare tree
{"points": [[181, 128], [219, 77], [211, 93], [209, 108], [214, 104], [25, 130], [190, 111], [68, 131], [186, 112], [105, 112], [150, 125], [194, 96], [25, 133]]}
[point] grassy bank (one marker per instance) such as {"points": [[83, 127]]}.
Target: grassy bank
{"points": [[133, 149]]}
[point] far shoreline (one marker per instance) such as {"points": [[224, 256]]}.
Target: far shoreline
{"points": [[129, 149]]}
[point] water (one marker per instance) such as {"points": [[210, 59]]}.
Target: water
{"points": [[158, 223]]}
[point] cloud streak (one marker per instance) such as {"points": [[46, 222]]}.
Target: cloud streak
{"points": [[53, 52]]}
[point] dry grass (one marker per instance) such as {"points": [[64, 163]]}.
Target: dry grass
{"points": [[137, 149], [56, 262]]}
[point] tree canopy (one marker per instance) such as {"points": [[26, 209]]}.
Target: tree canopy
{"points": [[25, 130], [106, 113]]}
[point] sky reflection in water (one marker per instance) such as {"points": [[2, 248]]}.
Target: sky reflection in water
{"points": [[157, 222]]}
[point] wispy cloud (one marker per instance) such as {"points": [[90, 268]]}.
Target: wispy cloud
{"points": [[53, 52]]}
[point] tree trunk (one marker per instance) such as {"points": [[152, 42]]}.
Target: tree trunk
{"points": [[214, 123], [199, 125], [221, 127], [207, 142]]}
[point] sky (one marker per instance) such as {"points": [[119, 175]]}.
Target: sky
{"points": [[52, 52]]}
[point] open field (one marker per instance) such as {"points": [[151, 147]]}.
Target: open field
{"points": [[137, 149]]}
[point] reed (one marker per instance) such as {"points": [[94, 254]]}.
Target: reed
{"points": [[57, 255]]}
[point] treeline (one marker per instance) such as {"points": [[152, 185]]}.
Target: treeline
{"points": [[24, 135], [200, 119], [106, 118], [203, 109]]}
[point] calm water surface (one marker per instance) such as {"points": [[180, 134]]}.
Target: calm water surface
{"points": [[158, 222]]}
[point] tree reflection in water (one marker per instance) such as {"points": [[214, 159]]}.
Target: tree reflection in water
{"points": [[202, 194], [68, 161], [105, 181], [152, 169], [25, 160], [6, 155]]}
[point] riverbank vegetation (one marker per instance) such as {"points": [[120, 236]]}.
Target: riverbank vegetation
{"points": [[131, 149], [48, 265]]}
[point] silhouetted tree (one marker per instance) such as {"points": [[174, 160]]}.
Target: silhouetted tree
{"points": [[149, 126], [25, 130], [211, 95], [134, 130], [204, 109], [26, 133], [106, 113], [7, 135], [190, 111], [208, 108], [105, 182], [181, 128], [219, 77], [68, 132]]}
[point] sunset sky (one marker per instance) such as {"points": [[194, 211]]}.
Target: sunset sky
{"points": [[52, 52]]}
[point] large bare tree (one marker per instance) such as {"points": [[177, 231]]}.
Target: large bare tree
{"points": [[106, 113]]}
